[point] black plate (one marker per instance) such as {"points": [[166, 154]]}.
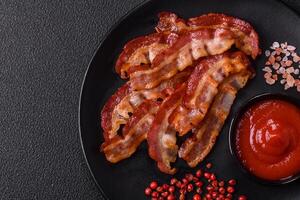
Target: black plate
{"points": [[127, 179]]}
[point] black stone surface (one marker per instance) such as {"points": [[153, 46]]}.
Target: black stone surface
{"points": [[45, 49]]}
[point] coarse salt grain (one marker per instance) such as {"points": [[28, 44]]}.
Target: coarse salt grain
{"points": [[290, 70], [276, 66], [282, 81], [275, 44], [285, 58], [291, 48], [281, 70], [289, 63], [296, 58], [267, 69], [270, 81]]}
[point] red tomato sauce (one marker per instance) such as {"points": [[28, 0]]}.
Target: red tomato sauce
{"points": [[268, 139]]}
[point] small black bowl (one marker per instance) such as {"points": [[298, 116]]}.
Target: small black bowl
{"points": [[232, 135]]}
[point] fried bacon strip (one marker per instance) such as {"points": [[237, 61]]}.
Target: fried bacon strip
{"points": [[161, 139], [203, 86], [118, 108], [143, 50], [247, 38], [196, 148], [173, 115], [134, 132], [188, 48], [116, 111]]}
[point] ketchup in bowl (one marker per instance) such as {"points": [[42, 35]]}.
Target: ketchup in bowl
{"points": [[268, 139]]}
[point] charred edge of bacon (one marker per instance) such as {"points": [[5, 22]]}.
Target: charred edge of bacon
{"points": [[134, 133], [170, 22], [133, 45], [197, 147], [107, 110]]}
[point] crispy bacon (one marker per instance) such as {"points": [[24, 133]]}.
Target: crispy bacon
{"points": [[170, 22], [247, 38], [134, 132], [196, 148], [161, 139], [174, 89], [188, 48], [203, 86], [118, 108], [116, 111], [144, 49]]}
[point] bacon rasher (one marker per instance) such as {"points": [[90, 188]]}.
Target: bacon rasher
{"points": [[247, 38], [161, 138], [120, 105], [173, 115], [133, 133], [143, 50], [188, 48], [203, 86], [180, 79], [196, 148]]}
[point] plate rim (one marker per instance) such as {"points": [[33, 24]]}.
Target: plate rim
{"points": [[104, 38]]}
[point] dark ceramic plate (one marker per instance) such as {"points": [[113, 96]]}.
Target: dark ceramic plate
{"points": [[127, 179]]}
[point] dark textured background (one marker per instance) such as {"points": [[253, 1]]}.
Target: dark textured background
{"points": [[45, 48]]}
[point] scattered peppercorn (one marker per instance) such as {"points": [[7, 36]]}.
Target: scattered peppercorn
{"points": [[148, 191], [196, 197], [153, 185], [232, 182], [242, 197], [203, 185], [208, 165]]}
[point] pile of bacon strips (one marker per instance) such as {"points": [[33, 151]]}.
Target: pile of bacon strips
{"points": [[182, 79]]}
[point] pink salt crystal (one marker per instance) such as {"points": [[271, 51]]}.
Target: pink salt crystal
{"points": [[290, 70], [286, 86], [275, 44], [282, 81], [276, 66], [267, 53], [290, 80], [296, 58], [267, 75], [281, 70], [267, 69], [275, 77], [291, 48], [272, 60], [270, 81], [289, 63]]}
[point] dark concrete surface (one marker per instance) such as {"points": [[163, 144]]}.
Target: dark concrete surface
{"points": [[45, 49]]}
